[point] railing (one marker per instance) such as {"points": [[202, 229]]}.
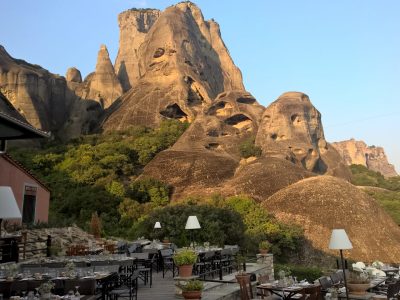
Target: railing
{"points": [[14, 248]]}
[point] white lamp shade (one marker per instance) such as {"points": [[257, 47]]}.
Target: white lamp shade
{"points": [[340, 240], [192, 223], [8, 205], [157, 225]]}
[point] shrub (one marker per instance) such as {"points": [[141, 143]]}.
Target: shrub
{"points": [[185, 257], [95, 225], [301, 272], [264, 245], [248, 148], [192, 285], [219, 226]]}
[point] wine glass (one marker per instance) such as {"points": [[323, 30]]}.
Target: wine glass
{"points": [[77, 294]]}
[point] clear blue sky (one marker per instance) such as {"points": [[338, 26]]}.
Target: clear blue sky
{"points": [[344, 54]]}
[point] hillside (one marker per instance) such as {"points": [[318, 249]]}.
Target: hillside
{"points": [[320, 204], [385, 190]]}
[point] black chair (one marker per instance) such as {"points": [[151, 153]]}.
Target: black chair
{"points": [[167, 261], [325, 283], [124, 286], [144, 267], [205, 265]]}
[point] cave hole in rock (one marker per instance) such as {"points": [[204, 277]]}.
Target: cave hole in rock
{"points": [[295, 118], [274, 136], [213, 133], [213, 109], [188, 79], [188, 62], [236, 119], [159, 52], [194, 97], [173, 111], [212, 146], [221, 95], [246, 100]]}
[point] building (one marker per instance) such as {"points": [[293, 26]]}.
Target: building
{"points": [[31, 194]]}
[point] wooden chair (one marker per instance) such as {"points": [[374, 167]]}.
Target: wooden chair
{"points": [[246, 291], [313, 292]]}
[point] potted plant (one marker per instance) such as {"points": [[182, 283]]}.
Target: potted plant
{"points": [[264, 246], [45, 289], [241, 274], [192, 289], [358, 283], [185, 259]]}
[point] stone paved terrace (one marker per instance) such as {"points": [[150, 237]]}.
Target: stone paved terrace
{"points": [[164, 288]]}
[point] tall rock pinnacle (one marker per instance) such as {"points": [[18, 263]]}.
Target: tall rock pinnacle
{"points": [[133, 26], [176, 64], [104, 84]]}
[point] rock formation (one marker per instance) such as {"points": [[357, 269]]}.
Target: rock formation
{"points": [[358, 153], [182, 66], [73, 75], [104, 85], [320, 204], [35, 92], [291, 129], [133, 25]]}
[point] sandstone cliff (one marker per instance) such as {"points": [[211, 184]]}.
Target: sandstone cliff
{"points": [[104, 85], [374, 158], [291, 129], [133, 26], [35, 92], [182, 65]]}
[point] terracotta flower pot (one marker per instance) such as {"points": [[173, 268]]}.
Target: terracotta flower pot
{"points": [[185, 270], [358, 288], [263, 251], [191, 294]]}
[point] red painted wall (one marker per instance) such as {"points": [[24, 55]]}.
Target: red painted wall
{"points": [[11, 175]]}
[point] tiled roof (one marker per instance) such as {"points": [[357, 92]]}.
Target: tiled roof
{"points": [[24, 125]]}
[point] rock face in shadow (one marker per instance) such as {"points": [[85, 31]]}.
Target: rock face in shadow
{"points": [[372, 157], [104, 85], [322, 203], [182, 65], [291, 129], [37, 94]]}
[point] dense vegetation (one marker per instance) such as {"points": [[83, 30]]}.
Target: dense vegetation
{"points": [[388, 192], [98, 172], [232, 220], [94, 183]]}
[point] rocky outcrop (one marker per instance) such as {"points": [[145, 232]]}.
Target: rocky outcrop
{"points": [[104, 86], [372, 157], [207, 155], [291, 129], [322, 203], [35, 92], [133, 27], [182, 65], [73, 75]]}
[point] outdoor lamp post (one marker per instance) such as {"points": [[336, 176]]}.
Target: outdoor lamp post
{"points": [[340, 241], [8, 205], [157, 228], [192, 223], [157, 225]]}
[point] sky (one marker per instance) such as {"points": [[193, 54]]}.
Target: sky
{"points": [[345, 55]]}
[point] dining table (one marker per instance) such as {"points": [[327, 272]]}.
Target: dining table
{"points": [[284, 292]]}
